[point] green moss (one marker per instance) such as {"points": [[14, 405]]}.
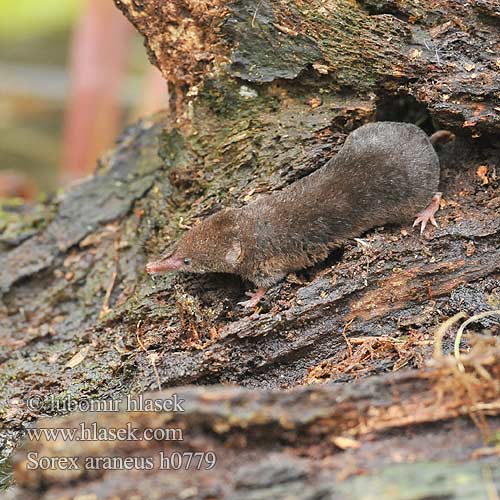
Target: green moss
{"points": [[421, 480], [270, 44], [494, 439], [19, 221], [353, 43]]}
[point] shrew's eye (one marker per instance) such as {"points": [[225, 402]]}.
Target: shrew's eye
{"points": [[187, 261]]}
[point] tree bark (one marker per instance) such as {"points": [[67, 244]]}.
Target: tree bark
{"points": [[265, 92]]}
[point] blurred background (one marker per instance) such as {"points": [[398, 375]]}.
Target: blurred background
{"points": [[73, 73]]}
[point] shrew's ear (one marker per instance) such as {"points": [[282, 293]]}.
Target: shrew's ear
{"points": [[234, 254]]}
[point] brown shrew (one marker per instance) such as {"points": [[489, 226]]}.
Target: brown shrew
{"points": [[384, 173]]}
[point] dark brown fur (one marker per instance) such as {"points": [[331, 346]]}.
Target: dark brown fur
{"points": [[384, 173], [441, 137]]}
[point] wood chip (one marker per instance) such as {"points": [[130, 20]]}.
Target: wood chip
{"points": [[345, 443], [482, 173], [77, 358], [314, 102], [321, 68]]}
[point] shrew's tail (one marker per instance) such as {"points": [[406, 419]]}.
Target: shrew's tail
{"points": [[441, 137]]}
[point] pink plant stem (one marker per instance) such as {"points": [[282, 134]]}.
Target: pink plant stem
{"points": [[98, 61]]}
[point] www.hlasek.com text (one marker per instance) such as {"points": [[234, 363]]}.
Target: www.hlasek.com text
{"points": [[92, 432]]}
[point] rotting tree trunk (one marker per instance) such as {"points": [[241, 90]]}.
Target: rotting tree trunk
{"points": [[293, 445], [265, 92]]}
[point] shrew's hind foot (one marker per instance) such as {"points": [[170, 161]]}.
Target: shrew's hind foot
{"points": [[254, 298], [427, 215]]}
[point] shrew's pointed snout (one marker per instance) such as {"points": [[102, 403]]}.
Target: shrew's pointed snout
{"points": [[164, 265]]}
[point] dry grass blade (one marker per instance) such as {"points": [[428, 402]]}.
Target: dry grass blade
{"points": [[441, 331], [461, 330]]}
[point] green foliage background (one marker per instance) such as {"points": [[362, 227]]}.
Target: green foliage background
{"points": [[21, 19]]}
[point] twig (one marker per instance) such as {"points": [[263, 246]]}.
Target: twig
{"points": [[137, 336], [105, 304], [460, 332], [438, 61], [492, 408], [105, 309], [255, 13], [152, 357], [486, 452], [437, 55], [379, 338], [489, 485], [344, 330]]}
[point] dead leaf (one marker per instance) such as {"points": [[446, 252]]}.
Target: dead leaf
{"points": [[314, 102], [321, 68], [285, 29], [53, 358], [77, 358], [470, 248], [345, 443], [248, 196], [415, 54], [482, 173], [469, 123]]}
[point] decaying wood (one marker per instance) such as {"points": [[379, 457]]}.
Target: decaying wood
{"points": [[444, 53], [288, 431], [265, 92]]}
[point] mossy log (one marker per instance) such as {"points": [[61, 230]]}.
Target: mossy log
{"points": [[263, 93], [297, 444]]}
